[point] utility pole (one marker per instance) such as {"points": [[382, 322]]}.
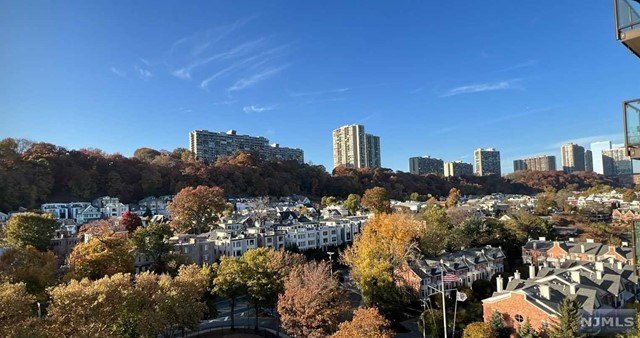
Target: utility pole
{"points": [[444, 307]]}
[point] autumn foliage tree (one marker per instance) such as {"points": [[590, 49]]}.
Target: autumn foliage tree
{"points": [[478, 330], [28, 265], [195, 210], [377, 200], [366, 323], [101, 257], [130, 221], [313, 302], [377, 254], [229, 282], [30, 228]]}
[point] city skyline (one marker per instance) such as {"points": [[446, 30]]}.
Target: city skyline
{"points": [[118, 85]]}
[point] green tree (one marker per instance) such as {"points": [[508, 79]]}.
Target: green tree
{"points": [[195, 210], [264, 273], [414, 196], [434, 231], [151, 242], [326, 201], [377, 200], [30, 228], [229, 283], [352, 203], [497, 325], [430, 323], [526, 331], [568, 321]]}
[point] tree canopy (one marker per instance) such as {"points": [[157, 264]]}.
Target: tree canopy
{"points": [[28, 228]]}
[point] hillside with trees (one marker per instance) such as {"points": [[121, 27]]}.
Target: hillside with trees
{"points": [[35, 173]]}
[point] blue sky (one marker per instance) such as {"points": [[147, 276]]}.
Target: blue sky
{"points": [[438, 78]]}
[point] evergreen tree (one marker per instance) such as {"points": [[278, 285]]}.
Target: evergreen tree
{"points": [[526, 331], [496, 324], [568, 322]]}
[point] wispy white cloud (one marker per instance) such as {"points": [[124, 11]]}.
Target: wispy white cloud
{"points": [[198, 42], [320, 92], [415, 91], [525, 64], [252, 62], [143, 73], [252, 80], [186, 71], [120, 73], [257, 108], [481, 87]]}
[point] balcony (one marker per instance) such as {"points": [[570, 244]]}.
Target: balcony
{"points": [[631, 110], [628, 23]]}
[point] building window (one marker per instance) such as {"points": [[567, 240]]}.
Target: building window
{"points": [[519, 319]]}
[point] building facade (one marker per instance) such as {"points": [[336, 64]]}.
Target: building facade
{"points": [[615, 162], [353, 148], [487, 162], [458, 168], [426, 165], [538, 163], [588, 160], [596, 150], [572, 158], [209, 146]]}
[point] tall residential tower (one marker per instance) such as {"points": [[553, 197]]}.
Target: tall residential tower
{"points": [[572, 158], [487, 162], [353, 148]]}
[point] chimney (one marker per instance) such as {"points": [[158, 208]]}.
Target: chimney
{"points": [[571, 239], [599, 275], [535, 245], [545, 291], [600, 266], [572, 288], [582, 248], [510, 279], [516, 275], [619, 265], [532, 271], [575, 276], [590, 240], [499, 283]]}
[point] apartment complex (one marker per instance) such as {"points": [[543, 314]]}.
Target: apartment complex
{"points": [[209, 146], [458, 168], [353, 148], [426, 165], [615, 162], [588, 160], [487, 162], [573, 158], [537, 163], [596, 149]]}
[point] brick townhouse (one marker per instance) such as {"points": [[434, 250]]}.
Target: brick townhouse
{"points": [[595, 285], [542, 252]]}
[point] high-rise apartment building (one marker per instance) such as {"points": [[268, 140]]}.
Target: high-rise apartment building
{"points": [[209, 146], [372, 150], [458, 168], [354, 148], [537, 163], [588, 160], [572, 158], [596, 149], [426, 165], [487, 162], [616, 162]]}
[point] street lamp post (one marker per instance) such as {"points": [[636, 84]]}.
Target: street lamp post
{"points": [[330, 253]]}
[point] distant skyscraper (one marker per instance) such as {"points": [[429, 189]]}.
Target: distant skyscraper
{"points": [[353, 148], [209, 146], [616, 162], [487, 162], [596, 149], [537, 163], [588, 160], [458, 168], [572, 157], [426, 165], [372, 151]]}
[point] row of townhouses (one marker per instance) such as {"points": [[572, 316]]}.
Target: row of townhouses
{"points": [[542, 252], [424, 276], [595, 285]]}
